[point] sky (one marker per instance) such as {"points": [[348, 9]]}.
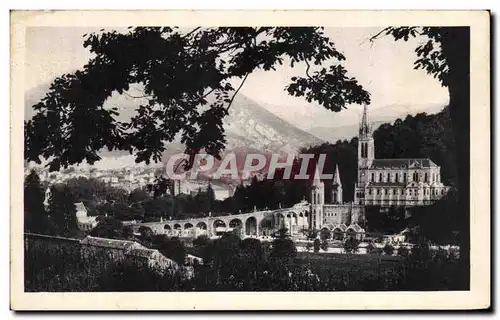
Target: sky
{"points": [[383, 67]]}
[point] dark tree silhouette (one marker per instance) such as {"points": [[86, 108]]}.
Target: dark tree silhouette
{"points": [[178, 72], [446, 56], [110, 228], [35, 216], [62, 209]]}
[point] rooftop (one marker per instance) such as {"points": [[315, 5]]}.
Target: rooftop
{"points": [[108, 243], [416, 163]]}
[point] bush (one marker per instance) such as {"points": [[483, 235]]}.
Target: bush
{"points": [[325, 234], [388, 249], [201, 241], [324, 245], [317, 245], [370, 248], [309, 246], [403, 252], [351, 245]]}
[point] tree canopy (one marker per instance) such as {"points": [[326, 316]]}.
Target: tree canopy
{"points": [[186, 78]]}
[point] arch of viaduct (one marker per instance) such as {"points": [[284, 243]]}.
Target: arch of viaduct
{"points": [[253, 224]]}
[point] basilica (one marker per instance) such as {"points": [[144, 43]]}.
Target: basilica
{"points": [[380, 182]]}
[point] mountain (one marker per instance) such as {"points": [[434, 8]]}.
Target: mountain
{"points": [[377, 117], [333, 134], [249, 127]]}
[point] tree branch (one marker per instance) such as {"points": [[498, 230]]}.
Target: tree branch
{"points": [[308, 67], [236, 92], [137, 97], [373, 38], [191, 32]]}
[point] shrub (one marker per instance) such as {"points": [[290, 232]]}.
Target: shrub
{"points": [[403, 252], [388, 249], [309, 246], [351, 245], [370, 248], [324, 245], [201, 240], [317, 245]]}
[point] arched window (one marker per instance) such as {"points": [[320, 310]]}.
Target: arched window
{"points": [[402, 191], [404, 177], [388, 177], [397, 177], [373, 177], [425, 177], [378, 191], [370, 191], [386, 191], [380, 178]]}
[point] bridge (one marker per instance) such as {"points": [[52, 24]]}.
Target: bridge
{"points": [[255, 223]]}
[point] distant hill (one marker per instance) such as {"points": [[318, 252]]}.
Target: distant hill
{"points": [[333, 134]]}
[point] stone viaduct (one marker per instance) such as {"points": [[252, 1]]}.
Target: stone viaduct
{"points": [[255, 223]]}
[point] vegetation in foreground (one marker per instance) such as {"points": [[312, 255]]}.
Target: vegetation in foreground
{"points": [[232, 264]]}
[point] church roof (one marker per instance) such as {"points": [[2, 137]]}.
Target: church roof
{"points": [[355, 227], [385, 184], [415, 163]]}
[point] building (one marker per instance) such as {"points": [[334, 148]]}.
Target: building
{"points": [[380, 182], [394, 182], [111, 248], [84, 221], [335, 214]]}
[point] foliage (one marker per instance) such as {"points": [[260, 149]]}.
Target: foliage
{"points": [[201, 240], [325, 234], [446, 56], [388, 249], [386, 220], [351, 245], [171, 248], [420, 136], [309, 246], [36, 219], [108, 227], [283, 246], [164, 61], [403, 251], [439, 222], [317, 245], [58, 267], [370, 248], [324, 245], [62, 209]]}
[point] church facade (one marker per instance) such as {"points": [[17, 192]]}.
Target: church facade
{"points": [[380, 182]]}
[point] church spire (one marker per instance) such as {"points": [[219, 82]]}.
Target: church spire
{"points": [[364, 126], [316, 178], [336, 177]]}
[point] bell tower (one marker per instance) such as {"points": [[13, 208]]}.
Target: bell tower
{"points": [[317, 201], [366, 154], [366, 147]]}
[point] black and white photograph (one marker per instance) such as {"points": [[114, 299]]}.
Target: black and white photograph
{"points": [[202, 158]]}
